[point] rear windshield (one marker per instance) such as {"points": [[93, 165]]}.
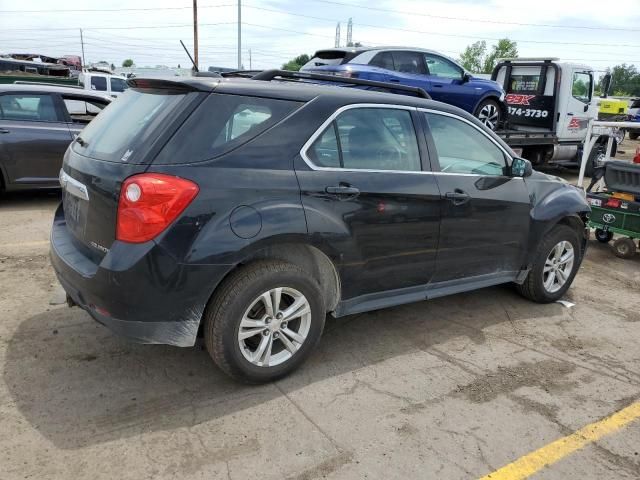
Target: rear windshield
{"points": [[222, 123], [122, 132], [330, 57]]}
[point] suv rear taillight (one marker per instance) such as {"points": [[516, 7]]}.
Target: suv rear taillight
{"points": [[149, 203]]}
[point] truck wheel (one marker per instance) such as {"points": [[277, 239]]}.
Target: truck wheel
{"points": [[634, 135], [602, 236], [555, 264], [264, 321], [624, 248], [489, 113], [596, 158]]}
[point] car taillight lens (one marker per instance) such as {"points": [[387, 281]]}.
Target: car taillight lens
{"points": [[613, 203], [149, 203]]}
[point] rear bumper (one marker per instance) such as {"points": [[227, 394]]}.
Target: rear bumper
{"points": [[137, 291]]}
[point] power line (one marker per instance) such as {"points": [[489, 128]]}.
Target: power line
{"points": [[89, 10], [473, 20], [423, 32]]}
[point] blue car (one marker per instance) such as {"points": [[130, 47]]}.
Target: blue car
{"points": [[437, 74]]}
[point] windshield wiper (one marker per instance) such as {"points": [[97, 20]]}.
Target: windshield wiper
{"points": [[81, 141]]}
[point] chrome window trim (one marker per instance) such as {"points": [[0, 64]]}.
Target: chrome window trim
{"points": [[332, 117]]}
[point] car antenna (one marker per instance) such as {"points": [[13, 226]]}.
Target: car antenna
{"points": [[195, 67]]}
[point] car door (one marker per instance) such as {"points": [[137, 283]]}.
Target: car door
{"points": [[446, 79], [33, 138], [366, 196], [572, 125], [485, 211], [408, 68]]}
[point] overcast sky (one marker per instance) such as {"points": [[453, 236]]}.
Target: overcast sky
{"points": [[149, 31]]}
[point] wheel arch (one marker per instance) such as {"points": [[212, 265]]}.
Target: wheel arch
{"points": [[310, 258]]}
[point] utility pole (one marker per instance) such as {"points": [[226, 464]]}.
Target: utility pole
{"points": [[239, 35], [195, 33], [82, 43], [337, 35]]}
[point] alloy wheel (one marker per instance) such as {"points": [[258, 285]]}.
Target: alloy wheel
{"points": [[489, 115], [558, 266], [274, 327]]}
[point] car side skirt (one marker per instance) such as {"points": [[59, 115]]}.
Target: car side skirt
{"points": [[392, 298]]}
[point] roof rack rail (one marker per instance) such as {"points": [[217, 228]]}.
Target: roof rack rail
{"points": [[241, 73], [286, 75]]}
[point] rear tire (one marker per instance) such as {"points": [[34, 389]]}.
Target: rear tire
{"points": [[634, 135], [247, 337], [624, 247], [547, 262], [489, 113], [602, 236]]}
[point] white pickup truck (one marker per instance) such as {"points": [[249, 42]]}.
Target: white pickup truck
{"points": [[549, 105]]}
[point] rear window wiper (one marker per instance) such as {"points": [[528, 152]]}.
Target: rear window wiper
{"points": [[81, 141]]}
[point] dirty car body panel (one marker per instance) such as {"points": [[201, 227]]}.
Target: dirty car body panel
{"points": [[390, 237]]}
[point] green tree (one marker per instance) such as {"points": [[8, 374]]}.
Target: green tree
{"points": [[625, 80], [505, 48], [297, 63], [127, 63], [473, 56]]}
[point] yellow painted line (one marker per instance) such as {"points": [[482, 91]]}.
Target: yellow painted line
{"points": [[533, 462], [25, 244]]}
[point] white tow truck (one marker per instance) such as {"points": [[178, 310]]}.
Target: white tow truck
{"points": [[549, 106]]}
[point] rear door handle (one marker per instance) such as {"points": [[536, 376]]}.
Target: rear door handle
{"points": [[342, 190], [395, 80], [4, 130], [457, 197]]}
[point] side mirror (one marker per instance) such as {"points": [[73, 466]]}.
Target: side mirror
{"points": [[521, 167], [466, 78]]}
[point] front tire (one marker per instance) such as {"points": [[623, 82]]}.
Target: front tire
{"points": [[264, 321], [489, 113], [555, 265]]}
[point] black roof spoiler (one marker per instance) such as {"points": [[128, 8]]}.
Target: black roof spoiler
{"points": [[159, 83], [287, 75]]}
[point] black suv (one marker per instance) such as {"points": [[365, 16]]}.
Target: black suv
{"points": [[249, 209]]}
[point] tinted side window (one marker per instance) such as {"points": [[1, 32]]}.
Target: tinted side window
{"points": [[222, 123], [464, 149], [581, 86], [441, 67], [324, 152], [383, 60], [369, 139], [37, 108], [99, 83], [117, 84], [408, 62]]}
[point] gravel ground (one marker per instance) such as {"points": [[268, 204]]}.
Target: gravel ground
{"points": [[452, 388]]}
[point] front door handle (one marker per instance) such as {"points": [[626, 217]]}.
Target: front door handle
{"points": [[4, 130], [343, 190], [457, 197]]}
